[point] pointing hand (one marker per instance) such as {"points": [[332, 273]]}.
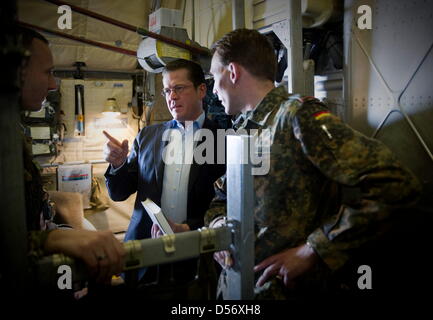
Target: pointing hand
{"points": [[115, 152]]}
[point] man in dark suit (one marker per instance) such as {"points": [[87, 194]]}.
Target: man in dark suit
{"points": [[166, 172]]}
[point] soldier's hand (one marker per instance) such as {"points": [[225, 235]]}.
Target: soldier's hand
{"points": [[100, 250], [178, 227], [224, 259], [115, 152], [287, 265], [156, 232]]}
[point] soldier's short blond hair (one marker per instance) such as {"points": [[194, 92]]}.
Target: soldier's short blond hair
{"points": [[251, 49]]}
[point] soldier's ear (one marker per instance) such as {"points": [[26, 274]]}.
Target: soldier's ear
{"points": [[235, 72]]}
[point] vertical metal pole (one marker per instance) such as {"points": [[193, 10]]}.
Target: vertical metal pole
{"points": [[240, 204], [296, 58], [238, 14], [290, 33]]}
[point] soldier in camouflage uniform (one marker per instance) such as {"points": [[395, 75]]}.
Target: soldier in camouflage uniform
{"points": [[329, 189], [101, 251]]}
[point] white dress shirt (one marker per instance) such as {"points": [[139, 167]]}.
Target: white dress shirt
{"points": [[178, 158]]}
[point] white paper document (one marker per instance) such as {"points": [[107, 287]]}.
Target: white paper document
{"points": [[76, 178], [158, 218]]}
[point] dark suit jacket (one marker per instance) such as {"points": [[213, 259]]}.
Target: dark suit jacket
{"points": [[144, 173]]}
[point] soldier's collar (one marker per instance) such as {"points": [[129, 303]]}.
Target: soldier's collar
{"points": [[238, 121], [243, 121], [271, 101]]}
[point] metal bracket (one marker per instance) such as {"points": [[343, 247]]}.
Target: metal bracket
{"points": [[289, 31], [282, 31], [168, 241], [133, 259], [233, 225], [59, 259], [207, 240]]}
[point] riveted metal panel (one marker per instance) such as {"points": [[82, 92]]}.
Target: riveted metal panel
{"points": [[389, 77]]}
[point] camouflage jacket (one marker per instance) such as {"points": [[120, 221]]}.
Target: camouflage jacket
{"points": [[327, 184], [38, 207]]}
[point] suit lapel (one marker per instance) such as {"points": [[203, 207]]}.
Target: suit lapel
{"points": [[158, 149], [193, 174]]}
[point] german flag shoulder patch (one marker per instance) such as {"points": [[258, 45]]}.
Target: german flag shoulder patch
{"points": [[321, 114]]}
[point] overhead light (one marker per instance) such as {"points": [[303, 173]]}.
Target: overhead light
{"points": [[111, 108]]}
